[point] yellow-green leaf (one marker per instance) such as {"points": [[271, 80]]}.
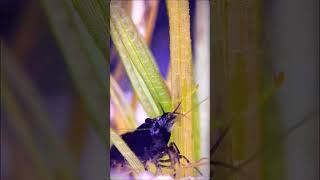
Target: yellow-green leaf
{"points": [[122, 105], [181, 74], [139, 63]]}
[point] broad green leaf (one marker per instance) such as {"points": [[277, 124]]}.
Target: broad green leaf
{"points": [[139, 63]]}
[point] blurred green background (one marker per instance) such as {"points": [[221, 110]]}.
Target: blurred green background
{"points": [[54, 94]]}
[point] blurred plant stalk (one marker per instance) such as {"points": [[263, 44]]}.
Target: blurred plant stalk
{"points": [[240, 74]]}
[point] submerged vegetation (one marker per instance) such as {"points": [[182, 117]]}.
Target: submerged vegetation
{"points": [[149, 86], [55, 92]]}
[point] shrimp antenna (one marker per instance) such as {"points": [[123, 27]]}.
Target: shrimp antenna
{"points": [[181, 114], [175, 111], [184, 114], [196, 106], [161, 108]]}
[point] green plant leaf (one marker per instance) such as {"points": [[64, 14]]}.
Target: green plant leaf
{"points": [[139, 63], [87, 64], [94, 14], [117, 96]]}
